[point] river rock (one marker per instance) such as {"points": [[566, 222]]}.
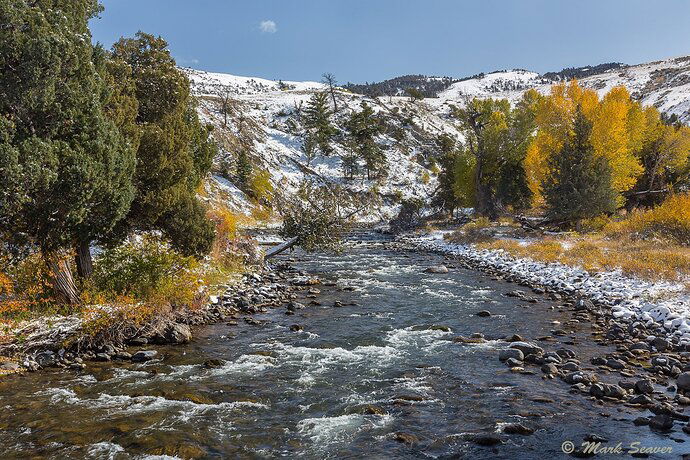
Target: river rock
{"points": [[438, 269], [9, 366], [517, 428], [405, 438], [641, 399], [483, 313], [527, 348], [213, 363], [122, 355], [508, 353], [661, 422], [549, 369], [144, 355], [139, 341], [486, 439], [512, 362], [296, 328], [615, 364], [102, 357], [644, 386], [683, 381], [46, 359], [178, 333], [661, 344]]}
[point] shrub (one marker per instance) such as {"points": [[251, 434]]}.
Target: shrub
{"points": [[146, 269], [477, 231], [260, 187], [668, 222]]}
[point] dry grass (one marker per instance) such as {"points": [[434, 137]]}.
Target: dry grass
{"points": [[668, 222], [595, 253]]}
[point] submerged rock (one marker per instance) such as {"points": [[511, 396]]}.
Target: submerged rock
{"points": [[438, 269], [405, 438], [144, 355], [517, 428]]}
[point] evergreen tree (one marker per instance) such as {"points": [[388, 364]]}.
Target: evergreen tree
{"points": [[243, 170], [363, 127], [66, 174], [317, 122], [445, 198], [579, 184], [175, 151]]}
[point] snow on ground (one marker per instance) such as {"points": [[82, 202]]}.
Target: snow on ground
{"points": [[629, 298], [664, 84], [269, 105]]}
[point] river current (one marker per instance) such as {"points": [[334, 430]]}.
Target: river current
{"points": [[381, 364]]}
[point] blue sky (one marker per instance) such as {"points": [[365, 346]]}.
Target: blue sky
{"points": [[371, 40]]}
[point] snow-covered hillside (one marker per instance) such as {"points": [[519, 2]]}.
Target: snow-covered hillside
{"points": [[664, 84], [269, 110]]}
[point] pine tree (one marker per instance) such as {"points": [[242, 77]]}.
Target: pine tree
{"points": [[175, 151], [579, 183], [243, 170], [445, 198], [66, 174], [317, 122], [363, 127]]}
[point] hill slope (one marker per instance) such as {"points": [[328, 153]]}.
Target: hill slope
{"points": [[268, 111]]}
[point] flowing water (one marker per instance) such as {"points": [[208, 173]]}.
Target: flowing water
{"points": [[342, 387]]}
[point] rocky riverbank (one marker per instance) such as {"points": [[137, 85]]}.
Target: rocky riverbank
{"points": [[62, 342], [650, 367]]}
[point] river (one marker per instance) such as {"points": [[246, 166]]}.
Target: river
{"points": [[381, 364]]}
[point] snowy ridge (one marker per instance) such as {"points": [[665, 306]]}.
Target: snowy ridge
{"points": [[664, 84]]}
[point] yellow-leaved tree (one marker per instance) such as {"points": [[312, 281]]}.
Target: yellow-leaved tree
{"points": [[617, 134]]}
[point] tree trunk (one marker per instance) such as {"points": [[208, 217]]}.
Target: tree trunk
{"points": [[274, 251], [63, 282], [83, 259]]}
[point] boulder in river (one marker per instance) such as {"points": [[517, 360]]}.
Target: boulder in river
{"points": [[661, 422], [144, 355], [483, 313], [508, 353], [517, 428], [644, 386], [683, 381], [178, 333], [438, 269], [406, 438], [527, 348]]}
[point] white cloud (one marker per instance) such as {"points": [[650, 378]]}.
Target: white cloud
{"points": [[268, 27]]}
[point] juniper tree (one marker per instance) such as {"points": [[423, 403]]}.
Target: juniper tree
{"points": [[445, 198], [175, 151], [579, 184], [65, 167]]}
